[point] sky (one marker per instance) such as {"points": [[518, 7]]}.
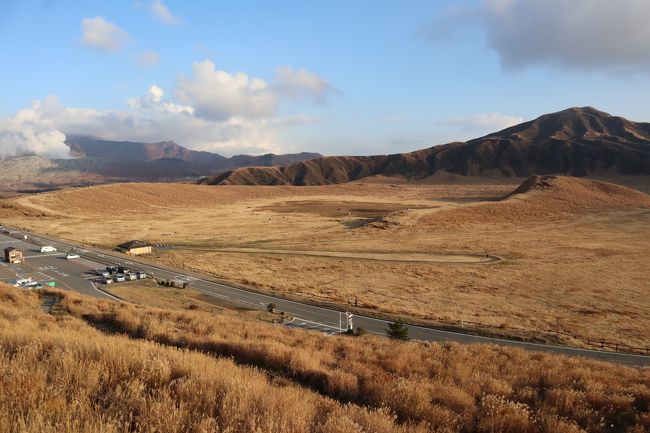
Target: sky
{"points": [[337, 77]]}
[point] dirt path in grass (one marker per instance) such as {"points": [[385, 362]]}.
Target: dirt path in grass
{"points": [[378, 256]]}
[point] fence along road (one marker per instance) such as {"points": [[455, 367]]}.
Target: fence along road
{"points": [[305, 315]]}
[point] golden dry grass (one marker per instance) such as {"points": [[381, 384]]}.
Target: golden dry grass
{"points": [[575, 260], [149, 293], [171, 371]]}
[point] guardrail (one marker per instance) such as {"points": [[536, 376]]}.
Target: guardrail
{"points": [[595, 342]]}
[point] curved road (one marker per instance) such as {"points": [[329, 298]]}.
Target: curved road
{"points": [[306, 316]]}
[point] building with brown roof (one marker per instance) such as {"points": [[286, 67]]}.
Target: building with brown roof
{"points": [[135, 247], [13, 255]]}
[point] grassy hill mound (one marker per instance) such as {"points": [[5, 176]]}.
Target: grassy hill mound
{"points": [[542, 197]]}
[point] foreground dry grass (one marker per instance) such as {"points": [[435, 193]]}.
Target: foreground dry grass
{"points": [[578, 267], [167, 371]]}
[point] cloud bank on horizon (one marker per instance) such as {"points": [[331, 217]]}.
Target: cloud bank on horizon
{"points": [[219, 112]]}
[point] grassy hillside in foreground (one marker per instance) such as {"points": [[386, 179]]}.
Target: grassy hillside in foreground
{"points": [[112, 367]]}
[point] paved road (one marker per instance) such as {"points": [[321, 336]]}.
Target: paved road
{"points": [[70, 274]]}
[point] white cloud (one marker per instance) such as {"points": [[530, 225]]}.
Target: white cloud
{"points": [[210, 110], [481, 123], [219, 95], [153, 99], [25, 132], [150, 118], [160, 11], [147, 58], [588, 34], [300, 83], [102, 34], [592, 35]]}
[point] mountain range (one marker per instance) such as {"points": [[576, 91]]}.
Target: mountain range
{"points": [[576, 141], [100, 161]]}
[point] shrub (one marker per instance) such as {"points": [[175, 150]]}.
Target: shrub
{"points": [[398, 330]]}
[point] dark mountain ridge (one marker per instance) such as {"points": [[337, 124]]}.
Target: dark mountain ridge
{"points": [[132, 160], [575, 141]]}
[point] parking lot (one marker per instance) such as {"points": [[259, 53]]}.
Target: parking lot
{"points": [[50, 269]]}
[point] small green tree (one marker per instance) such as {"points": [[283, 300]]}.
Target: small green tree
{"points": [[398, 330]]}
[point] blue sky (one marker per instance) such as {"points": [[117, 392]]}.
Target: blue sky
{"points": [[337, 77]]}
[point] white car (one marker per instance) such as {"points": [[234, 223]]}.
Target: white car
{"points": [[72, 256], [119, 278], [22, 281], [48, 249]]}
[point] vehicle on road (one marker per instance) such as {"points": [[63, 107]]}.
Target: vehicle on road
{"points": [[33, 285], [22, 281], [48, 249], [119, 278], [72, 256]]}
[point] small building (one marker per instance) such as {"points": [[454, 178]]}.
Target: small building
{"points": [[135, 247], [13, 255]]}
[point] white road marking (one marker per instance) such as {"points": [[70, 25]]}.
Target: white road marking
{"points": [[105, 293]]}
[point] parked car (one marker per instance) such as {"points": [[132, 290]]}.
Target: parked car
{"points": [[108, 280], [33, 285], [111, 270], [141, 275], [48, 249], [72, 256], [22, 281], [119, 278], [131, 276]]}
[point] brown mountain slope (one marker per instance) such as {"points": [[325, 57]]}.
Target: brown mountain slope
{"points": [[544, 197], [93, 147], [125, 153], [576, 141]]}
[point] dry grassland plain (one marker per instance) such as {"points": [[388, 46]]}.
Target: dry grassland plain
{"points": [[574, 261], [108, 367]]}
